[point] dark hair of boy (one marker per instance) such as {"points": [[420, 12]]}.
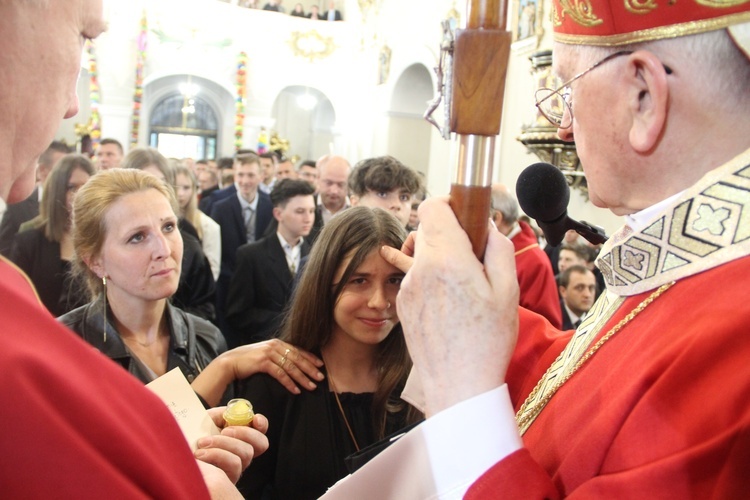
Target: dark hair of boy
{"points": [[286, 189], [383, 174]]}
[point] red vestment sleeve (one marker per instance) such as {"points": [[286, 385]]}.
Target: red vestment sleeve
{"points": [[76, 425], [536, 281], [659, 411], [518, 468]]}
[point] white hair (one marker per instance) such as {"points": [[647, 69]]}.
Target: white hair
{"points": [[710, 60]]}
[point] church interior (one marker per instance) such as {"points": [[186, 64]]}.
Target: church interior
{"points": [[203, 78]]}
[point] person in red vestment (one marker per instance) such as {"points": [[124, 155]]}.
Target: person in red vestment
{"points": [[648, 398], [75, 424], [536, 283]]}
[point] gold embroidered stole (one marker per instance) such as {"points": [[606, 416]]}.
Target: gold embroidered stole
{"points": [[563, 366], [707, 226]]}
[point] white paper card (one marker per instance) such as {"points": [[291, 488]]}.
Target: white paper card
{"points": [[193, 419]]}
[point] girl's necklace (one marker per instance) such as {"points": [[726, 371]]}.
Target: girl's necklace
{"points": [[341, 408]]}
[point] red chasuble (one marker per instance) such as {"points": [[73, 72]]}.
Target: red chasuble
{"points": [[661, 408], [537, 287], [74, 424]]}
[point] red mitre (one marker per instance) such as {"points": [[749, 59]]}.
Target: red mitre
{"points": [[621, 22]]}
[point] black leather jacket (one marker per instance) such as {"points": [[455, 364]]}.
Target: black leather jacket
{"points": [[194, 342]]}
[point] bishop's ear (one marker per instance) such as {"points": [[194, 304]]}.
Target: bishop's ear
{"points": [[648, 99]]}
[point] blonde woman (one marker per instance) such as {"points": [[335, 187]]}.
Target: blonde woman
{"points": [[129, 251], [209, 232]]}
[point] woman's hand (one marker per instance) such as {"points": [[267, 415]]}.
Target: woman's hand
{"points": [[218, 484], [233, 450], [286, 363], [282, 361]]}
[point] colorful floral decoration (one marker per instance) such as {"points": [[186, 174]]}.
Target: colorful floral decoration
{"points": [[262, 141], [239, 118], [94, 127], [138, 93]]}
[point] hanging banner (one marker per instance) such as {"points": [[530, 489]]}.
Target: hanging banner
{"points": [[241, 99], [138, 92]]}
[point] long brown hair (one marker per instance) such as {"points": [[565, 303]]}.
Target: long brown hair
{"points": [[190, 212], [53, 209], [309, 323]]}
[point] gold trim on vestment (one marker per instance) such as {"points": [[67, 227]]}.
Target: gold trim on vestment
{"points": [[591, 324], [661, 32], [640, 6], [580, 11], [526, 248], [705, 227]]}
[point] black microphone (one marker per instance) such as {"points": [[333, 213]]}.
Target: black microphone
{"points": [[543, 194]]}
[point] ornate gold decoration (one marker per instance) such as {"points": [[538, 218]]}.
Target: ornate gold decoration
{"points": [[575, 354], [540, 137], [311, 45], [640, 6], [580, 11], [277, 143], [658, 33], [707, 226], [82, 129], [720, 3]]}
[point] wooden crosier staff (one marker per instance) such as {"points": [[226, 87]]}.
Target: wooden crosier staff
{"points": [[474, 92]]}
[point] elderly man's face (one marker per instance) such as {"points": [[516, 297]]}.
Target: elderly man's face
{"points": [[601, 137], [41, 60]]}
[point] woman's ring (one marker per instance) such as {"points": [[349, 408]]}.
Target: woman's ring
{"points": [[283, 358]]}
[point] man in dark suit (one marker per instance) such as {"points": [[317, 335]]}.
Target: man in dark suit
{"points": [[208, 182], [18, 213], [577, 291], [109, 154], [261, 285], [206, 203], [243, 218], [333, 14]]}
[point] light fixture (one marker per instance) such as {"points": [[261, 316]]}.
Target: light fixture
{"points": [[307, 101], [189, 89], [189, 107]]}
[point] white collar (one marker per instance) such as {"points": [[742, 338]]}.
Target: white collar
{"points": [[248, 204], [638, 220]]}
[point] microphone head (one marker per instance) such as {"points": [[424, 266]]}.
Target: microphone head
{"points": [[543, 192]]}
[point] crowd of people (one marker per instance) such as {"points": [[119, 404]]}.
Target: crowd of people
{"points": [[332, 14], [342, 327], [122, 254]]}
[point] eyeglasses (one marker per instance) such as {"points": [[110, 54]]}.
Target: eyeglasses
{"points": [[556, 105]]}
